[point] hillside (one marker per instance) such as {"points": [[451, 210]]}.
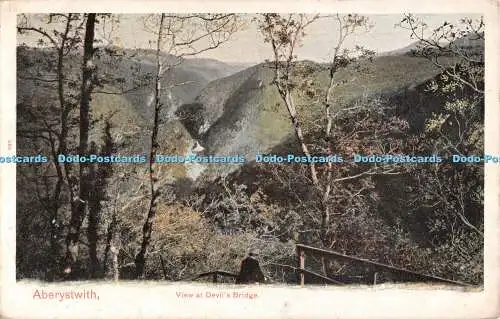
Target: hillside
{"points": [[243, 113], [227, 112]]}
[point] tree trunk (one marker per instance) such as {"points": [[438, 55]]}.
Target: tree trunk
{"points": [[80, 203], [112, 247], [325, 214], [147, 228], [292, 111], [54, 212], [58, 143], [110, 238], [116, 269], [94, 209]]}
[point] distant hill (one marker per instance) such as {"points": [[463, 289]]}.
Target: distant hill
{"points": [[130, 67], [407, 50], [121, 70], [472, 44], [185, 79]]}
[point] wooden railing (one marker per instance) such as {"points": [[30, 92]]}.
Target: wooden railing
{"points": [[301, 271], [405, 274], [215, 274]]}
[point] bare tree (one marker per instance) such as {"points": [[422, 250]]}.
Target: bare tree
{"points": [[347, 25], [66, 38], [459, 128], [177, 36], [78, 214], [284, 33], [463, 41], [453, 193], [64, 43]]}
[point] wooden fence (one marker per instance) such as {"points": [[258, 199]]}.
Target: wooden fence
{"points": [[215, 275], [404, 274], [301, 271]]}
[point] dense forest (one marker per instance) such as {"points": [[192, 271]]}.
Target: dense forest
{"points": [[79, 94]]}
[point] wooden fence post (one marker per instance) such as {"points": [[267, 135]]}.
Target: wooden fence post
{"points": [[302, 262], [302, 266], [163, 267]]}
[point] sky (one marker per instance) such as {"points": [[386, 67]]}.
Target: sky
{"points": [[247, 45]]}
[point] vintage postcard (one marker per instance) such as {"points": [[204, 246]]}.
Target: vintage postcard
{"points": [[252, 159]]}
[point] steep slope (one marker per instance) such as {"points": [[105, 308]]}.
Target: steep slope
{"points": [[243, 114]]}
